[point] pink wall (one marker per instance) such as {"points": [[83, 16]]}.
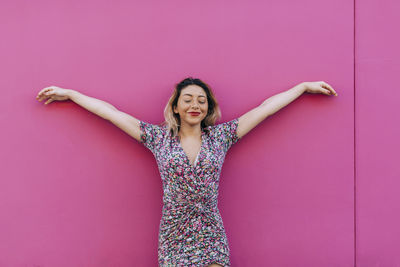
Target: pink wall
{"points": [[377, 133], [77, 191]]}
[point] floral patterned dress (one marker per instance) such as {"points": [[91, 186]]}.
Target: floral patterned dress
{"points": [[191, 231]]}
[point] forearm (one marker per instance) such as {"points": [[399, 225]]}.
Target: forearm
{"points": [[97, 106], [278, 101]]}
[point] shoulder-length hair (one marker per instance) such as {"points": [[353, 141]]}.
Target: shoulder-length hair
{"points": [[172, 120]]}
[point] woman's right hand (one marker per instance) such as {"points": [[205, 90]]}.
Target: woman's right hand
{"points": [[53, 93]]}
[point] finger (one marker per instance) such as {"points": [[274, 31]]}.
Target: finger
{"points": [[46, 89], [43, 91], [49, 101], [47, 94], [330, 88], [43, 96], [324, 90], [40, 98], [40, 93]]}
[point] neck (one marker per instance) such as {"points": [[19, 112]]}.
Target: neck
{"points": [[187, 130]]}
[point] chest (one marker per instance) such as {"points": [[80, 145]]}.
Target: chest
{"points": [[176, 159], [190, 148]]}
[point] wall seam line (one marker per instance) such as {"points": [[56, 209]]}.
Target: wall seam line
{"points": [[354, 133]]}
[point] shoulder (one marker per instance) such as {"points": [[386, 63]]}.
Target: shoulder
{"points": [[154, 127], [152, 131], [228, 127]]}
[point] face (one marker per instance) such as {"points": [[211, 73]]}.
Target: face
{"points": [[193, 98]]}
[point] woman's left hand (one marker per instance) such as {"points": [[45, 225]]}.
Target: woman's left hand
{"points": [[319, 87]]}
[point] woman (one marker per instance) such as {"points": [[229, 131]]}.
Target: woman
{"points": [[190, 152]]}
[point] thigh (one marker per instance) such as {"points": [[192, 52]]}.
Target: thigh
{"points": [[214, 265]]}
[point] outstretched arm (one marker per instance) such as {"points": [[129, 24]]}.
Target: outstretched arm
{"points": [[271, 105], [122, 120]]}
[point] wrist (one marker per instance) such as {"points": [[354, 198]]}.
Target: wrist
{"points": [[71, 93], [301, 87]]}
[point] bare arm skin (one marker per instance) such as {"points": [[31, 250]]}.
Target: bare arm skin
{"points": [[271, 105], [122, 120], [94, 105]]}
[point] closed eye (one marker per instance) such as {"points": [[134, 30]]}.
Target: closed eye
{"points": [[187, 101]]}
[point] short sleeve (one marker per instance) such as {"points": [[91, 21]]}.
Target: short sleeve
{"points": [[151, 135], [226, 133]]}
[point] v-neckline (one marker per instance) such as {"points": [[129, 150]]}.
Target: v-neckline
{"points": [[196, 159]]}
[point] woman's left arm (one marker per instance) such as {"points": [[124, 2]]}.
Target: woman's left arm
{"points": [[274, 103]]}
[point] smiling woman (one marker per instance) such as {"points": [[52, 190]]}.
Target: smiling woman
{"points": [[191, 230], [190, 151], [191, 95]]}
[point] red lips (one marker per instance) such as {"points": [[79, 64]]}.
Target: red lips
{"points": [[194, 113]]}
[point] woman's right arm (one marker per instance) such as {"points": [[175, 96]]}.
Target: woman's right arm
{"points": [[122, 120]]}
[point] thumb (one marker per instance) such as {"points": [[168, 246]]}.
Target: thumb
{"points": [[49, 101]]}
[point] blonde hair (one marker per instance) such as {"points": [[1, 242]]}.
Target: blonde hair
{"points": [[172, 120]]}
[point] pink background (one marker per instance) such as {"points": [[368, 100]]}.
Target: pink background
{"points": [[315, 184]]}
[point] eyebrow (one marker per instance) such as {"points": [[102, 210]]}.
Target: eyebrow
{"points": [[192, 95]]}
